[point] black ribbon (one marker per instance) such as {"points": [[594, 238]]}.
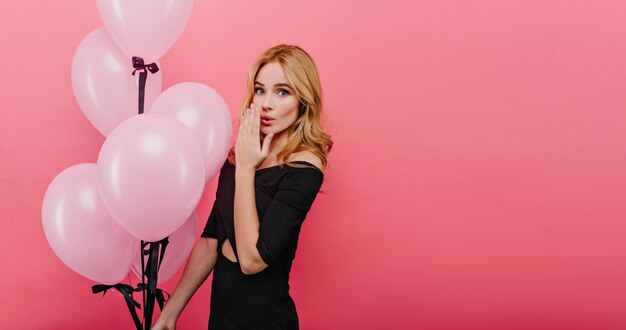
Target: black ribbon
{"points": [[150, 271], [127, 292], [139, 65], [159, 294], [154, 257]]}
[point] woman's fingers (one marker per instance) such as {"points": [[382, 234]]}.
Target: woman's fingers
{"points": [[256, 124], [250, 127], [244, 124], [248, 121]]}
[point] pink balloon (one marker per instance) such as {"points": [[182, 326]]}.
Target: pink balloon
{"points": [[106, 91], [151, 173], [177, 251], [80, 229], [145, 28], [203, 111]]}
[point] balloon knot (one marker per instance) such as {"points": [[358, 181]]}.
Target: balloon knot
{"points": [[138, 64]]}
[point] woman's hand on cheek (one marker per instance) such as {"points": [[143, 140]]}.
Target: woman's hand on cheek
{"points": [[249, 154]]}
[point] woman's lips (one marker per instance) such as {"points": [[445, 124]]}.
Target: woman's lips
{"points": [[266, 121]]}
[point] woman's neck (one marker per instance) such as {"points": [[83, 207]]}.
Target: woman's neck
{"points": [[278, 142]]}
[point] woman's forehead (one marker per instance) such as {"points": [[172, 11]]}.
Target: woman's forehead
{"points": [[271, 74]]}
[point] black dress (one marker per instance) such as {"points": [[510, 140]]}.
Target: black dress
{"points": [[284, 195]]}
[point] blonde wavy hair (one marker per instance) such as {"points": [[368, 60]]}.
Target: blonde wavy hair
{"points": [[307, 133]]}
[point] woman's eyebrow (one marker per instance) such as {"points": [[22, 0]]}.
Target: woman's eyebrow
{"points": [[276, 85]]}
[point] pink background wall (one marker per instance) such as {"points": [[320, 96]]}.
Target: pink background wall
{"points": [[477, 178]]}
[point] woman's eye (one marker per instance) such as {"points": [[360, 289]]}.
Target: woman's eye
{"points": [[283, 92], [258, 90]]}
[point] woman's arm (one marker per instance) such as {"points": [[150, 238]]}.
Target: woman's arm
{"points": [[201, 262], [247, 222]]}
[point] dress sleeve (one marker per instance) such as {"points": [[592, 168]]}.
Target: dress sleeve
{"points": [[210, 229], [285, 214]]}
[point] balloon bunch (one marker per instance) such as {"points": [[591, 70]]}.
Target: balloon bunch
{"points": [[104, 219]]}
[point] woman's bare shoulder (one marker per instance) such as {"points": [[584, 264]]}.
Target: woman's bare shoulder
{"points": [[308, 156]]}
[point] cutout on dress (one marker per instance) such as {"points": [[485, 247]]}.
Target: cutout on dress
{"points": [[228, 252]]}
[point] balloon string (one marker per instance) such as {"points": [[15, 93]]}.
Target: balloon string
{"points": [[151, 273], [143, 273], [150, 270], [159, 294], [139, 65], [127, 292], [163, 243], [142, 89]]}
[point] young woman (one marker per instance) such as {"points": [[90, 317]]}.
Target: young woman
{"points": [[265, 189]]}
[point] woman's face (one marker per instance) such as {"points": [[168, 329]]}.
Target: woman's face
{"points": [[277, 99]]}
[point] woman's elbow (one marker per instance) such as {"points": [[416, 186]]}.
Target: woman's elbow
{"points": [[253, 267]]}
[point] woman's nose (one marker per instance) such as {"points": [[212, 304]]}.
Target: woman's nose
{"points": [[267, 102]]}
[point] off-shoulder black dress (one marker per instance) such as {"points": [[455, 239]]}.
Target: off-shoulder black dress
{"points": [[260, 301]]}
